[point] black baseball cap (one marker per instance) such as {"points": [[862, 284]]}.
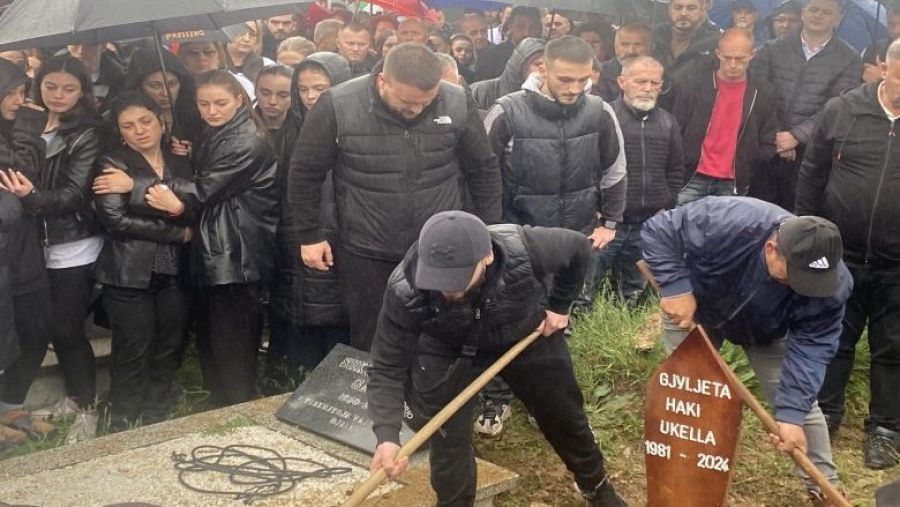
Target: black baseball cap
{"points": [[451, 245], [813, 249]]}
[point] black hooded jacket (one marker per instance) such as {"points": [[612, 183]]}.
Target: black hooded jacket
{"points": [[188, 124], [682, 67], [22, 148], [851, 175], [302, 295], [487, 92]]}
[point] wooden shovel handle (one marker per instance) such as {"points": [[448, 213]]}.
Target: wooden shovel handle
{"points": [[799, 457], [366, 488]]}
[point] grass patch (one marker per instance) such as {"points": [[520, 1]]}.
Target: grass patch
{"points": [[230, 425]]}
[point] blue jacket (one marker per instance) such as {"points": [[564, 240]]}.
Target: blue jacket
{"points": [[714, 248]]}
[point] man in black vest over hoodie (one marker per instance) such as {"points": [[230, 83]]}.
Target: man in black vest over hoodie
{"points": [[397, 142]]}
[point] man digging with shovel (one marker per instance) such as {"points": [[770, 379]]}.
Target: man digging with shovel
{"points": [[463, 295], [756, 275]]}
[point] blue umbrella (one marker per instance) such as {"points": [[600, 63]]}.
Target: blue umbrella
{"points": [[864, 20]]}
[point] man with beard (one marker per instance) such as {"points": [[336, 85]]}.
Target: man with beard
{"points": [[655, 167], [728, 123], [631, 40], [561, 155], [463, 295], [475, 27], [397, 142], [277, 29], [688, 38], [354, 43], [849, 176]]}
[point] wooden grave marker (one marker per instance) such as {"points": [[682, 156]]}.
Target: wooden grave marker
{"points": [[691, 427]]}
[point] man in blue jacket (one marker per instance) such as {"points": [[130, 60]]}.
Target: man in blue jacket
{"points": [[756, 275]]}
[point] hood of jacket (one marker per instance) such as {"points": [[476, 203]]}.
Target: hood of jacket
{"points": [[10, 77], [705, 39], [335, 66], [547, 106], [511, 79], [863, 100]]}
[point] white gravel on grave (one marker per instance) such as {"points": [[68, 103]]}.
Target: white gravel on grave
{"points": [[148, 475]]}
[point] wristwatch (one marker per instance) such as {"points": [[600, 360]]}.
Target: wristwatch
{"points": [[608, 224]]}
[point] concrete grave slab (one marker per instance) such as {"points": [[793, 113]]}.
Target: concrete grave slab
{"points": [[137, 465]]}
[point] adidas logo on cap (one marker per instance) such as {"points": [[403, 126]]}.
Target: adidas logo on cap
{"points": [[821, 263]]}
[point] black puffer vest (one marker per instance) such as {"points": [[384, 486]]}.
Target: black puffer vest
{"points": [[550, 178], [507, 308], [392, 175]]}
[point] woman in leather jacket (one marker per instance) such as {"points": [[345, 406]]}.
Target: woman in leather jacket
{"points": [[232, 254], [140, 266], [61, 200]]}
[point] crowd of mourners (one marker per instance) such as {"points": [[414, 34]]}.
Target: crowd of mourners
{"points": [[220, 193]]}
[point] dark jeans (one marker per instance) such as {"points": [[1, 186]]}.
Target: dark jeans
{"points": [[542, 377], [362, 282], [71, 294], [875, 301], [700, 186], [227, 340], [33, 314], [619, 256], [148, 335]]}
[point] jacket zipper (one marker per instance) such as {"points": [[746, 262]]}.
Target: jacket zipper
{"points": [[643, 166], [740, 136], [887, 158], [562, 173]]}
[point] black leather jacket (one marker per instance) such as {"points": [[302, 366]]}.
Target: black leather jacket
{"points": [[62, 196], [236, 183], [133, 228]]}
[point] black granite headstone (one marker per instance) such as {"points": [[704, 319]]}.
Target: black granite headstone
{"points": [[332, 401]]}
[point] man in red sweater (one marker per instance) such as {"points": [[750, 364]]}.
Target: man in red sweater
{"points": [[726, 122]]}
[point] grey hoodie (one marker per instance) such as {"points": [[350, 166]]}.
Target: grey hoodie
{"points": [[487, 92]]}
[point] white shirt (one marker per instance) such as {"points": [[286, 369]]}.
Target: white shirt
{"points": [[811, 51], [74, 253]]}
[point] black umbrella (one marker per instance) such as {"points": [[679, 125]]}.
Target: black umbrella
{"points": [[40, 23]]}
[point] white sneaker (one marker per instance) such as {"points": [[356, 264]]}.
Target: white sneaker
{"points": [[65, 408], [493, 415], [83, 428]]}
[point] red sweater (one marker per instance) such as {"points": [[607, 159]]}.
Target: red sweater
{"points": [[720, 143]]}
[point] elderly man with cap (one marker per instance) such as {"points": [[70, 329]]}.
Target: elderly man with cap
{"points": [[462, 296], [757, 276]]}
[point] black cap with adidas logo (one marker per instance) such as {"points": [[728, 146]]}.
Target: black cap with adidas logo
{"points": [[813, 249]]}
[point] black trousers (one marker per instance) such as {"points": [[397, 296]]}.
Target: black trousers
{"points": [[301, 346], [362, 282], [875, 301], [228, 320], [71, 294], [148, 335], [542, 377], [33, 314], [777, 183]]}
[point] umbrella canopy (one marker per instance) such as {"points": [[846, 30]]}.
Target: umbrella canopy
{"points": [[403, 7], [620, 8], [864, 21], [38, 23]]}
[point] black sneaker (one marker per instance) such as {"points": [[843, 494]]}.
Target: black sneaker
{"points": [[604, 495], [882, 449]]}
